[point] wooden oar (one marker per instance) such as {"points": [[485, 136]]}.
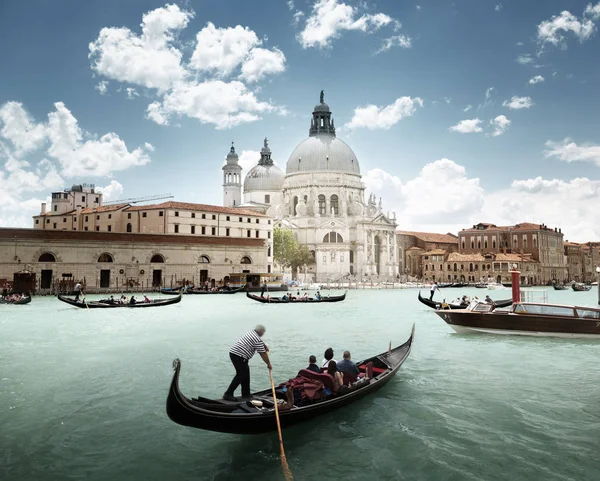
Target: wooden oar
{"points": [[284, 464]]}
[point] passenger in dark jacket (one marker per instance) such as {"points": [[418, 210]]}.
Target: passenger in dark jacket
{"points": [[312, 364]]}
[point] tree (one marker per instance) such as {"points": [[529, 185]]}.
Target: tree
{"points": [[288, 253]]}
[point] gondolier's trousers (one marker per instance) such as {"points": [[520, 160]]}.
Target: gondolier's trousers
{"points": [[242, 375]]}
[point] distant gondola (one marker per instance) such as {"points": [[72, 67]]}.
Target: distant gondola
{"points": [[106, 305], [308, 300], [438, 305], [559, 287], [176, 291], [25, 300], [578, 287], [245, 418]]}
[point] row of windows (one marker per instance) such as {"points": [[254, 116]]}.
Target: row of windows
{"points": [[156, 258], [515, 242], [322, 201]]}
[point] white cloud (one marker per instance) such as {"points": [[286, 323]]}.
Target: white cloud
{"points": [[525, 59], [131, 93], [468, 126], [489, 93], [536, 80], [516, 103], [248, 159], [200, 88], [499, 125], [261, 62], [290, 4], [36, 157], [149, 59], [498, 7], [554, 31], [467, 108], [569, 151], [402, 41], [330, 18], [102, 87], [418, 7], [224, 104], [298, 17], [375, 117], [442, 186], [112, 191], [222, 50]]}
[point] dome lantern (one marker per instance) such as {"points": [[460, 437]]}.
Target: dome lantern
{"points": [[321, 122]]}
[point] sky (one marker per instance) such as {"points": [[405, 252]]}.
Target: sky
{"points": [[459, 112]]}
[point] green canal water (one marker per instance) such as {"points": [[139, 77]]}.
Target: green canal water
{"points": [[82, 394]]}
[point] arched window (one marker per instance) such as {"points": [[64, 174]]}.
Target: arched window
{"points": [[106, 257], [334, 204], [295, 212], [322, 204], [246, 260], [47, 257], [204, 260], [333, 237], [476, 267], [129, 227], [157, 259]]}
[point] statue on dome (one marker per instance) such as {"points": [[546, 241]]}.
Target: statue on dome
{"points": [[266, 143], [322, 97]]}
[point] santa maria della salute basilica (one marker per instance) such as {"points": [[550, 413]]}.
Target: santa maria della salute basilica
{"points": [[321, 199]]}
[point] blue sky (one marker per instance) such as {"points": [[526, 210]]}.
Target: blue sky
{"points": [[87, 94]]}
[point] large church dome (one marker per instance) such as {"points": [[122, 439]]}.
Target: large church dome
{"points": [[265, 176], [322, 151]]}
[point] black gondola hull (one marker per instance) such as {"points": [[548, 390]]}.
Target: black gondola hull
{"points": [[104, 305], [199, 291], [207, 415], [277, 300], [438, 305]]}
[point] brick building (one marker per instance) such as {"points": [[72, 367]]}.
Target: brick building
{"points": [[537, 242], [412, 245]]}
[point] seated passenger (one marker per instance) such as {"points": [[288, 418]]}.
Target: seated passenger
{"points": [[312, 364], [132, 300], [146, 299], [284, 297], [338, 377], [328, 356], [347, 365], [318, 296]]}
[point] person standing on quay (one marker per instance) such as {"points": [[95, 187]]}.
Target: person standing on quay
{"points": [[434, 287], [240, 353]]}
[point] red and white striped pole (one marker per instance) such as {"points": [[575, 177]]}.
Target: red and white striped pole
{"points": [[516, 284]]}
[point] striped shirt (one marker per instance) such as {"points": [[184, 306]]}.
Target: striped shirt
{"points": [[247, 345]]}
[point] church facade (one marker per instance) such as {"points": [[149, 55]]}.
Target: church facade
{"points": [[321, 198]]}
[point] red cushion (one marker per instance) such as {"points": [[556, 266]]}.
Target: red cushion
{"points": [[376, 370], [326, 379]]}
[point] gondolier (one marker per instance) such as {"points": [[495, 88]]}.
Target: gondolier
{"points": [[434, 287], [240, 353], [78, 290]]}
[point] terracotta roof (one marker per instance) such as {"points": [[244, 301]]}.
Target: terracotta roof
{"points": [[55, 214], [456, 257], [414, 248], [108, 237], [574, 244], [104, 208], [501, 257], [487, 228], [434, 252], [527, 226], [197, 207], [431, 237]]}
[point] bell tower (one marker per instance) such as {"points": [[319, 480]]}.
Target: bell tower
{"points": [[232, 180]]}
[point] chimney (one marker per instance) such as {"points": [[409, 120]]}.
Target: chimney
{"points": [[43, 208]]}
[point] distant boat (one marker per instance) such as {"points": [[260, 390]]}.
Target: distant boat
{"points": [[24, 300], [496, 286], [579, 287], [527, 319], [105, 304], [560, 287], [454, 305], [195, 290], [300, 300]]}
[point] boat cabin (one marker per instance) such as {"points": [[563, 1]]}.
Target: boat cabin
{"points": [[525, 308]]}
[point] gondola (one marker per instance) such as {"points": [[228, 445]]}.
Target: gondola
{"points": [[438, 305], [25, 300], [308, 300], [106, 305], [577, 287], [245, 418], [176, 291], [559, 287]]}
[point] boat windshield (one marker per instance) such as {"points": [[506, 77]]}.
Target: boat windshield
{"points": [[480, 307], [588, 313], [544, 309]]}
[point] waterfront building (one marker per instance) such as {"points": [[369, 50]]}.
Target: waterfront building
{"points": [[321, 198], [412, 246], [540, 242], [118, 261], [574, 262]]}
